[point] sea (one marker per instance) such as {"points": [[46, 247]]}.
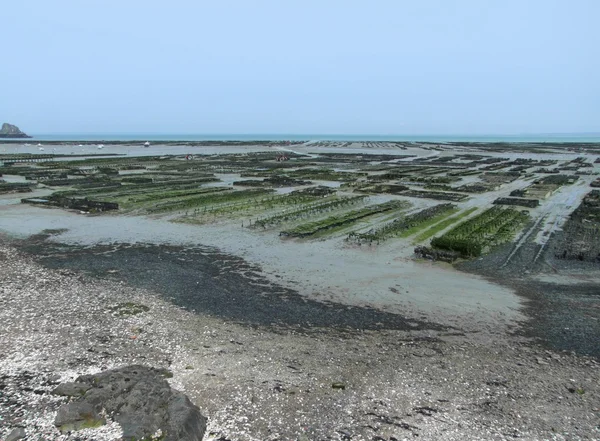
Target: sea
{"points": [[562, 137]]}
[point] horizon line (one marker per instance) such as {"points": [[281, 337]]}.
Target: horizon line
{"points": [[318, 134]]}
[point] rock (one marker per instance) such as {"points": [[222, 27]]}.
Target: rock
{"points": [[577, 390], [141, 401], [11, 131], [186, 419], [338, 385], [16, 434], [54, 378], [71, 389], [76, 416]]}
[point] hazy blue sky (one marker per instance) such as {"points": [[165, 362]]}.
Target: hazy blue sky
{"points": [[322, 66]]}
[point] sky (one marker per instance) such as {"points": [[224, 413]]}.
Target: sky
{"points": [[301, 66]]}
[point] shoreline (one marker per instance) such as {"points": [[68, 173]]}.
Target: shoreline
{"points": [[292, 140], [273, 382], [591, 137]]}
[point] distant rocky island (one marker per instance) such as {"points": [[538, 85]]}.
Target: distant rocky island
{"points": [[12, 131]]}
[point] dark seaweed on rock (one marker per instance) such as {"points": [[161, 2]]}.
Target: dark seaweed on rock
{"points": [[138, 398]]}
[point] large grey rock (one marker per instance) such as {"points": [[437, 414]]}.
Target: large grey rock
{"points": [[142, 402]]}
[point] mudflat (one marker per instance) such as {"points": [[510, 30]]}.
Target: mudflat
{"points": [[333, 330]]}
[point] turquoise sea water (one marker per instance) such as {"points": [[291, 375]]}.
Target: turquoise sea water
{"points": [[584, 137]]}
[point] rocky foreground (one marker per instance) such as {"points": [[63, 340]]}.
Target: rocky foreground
{"points": [[63, 335]]}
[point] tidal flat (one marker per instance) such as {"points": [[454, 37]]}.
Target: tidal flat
{"points": [[284, 292]]}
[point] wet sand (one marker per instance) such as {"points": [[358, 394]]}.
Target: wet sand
{"points": [[561, 298], [209, 282], [385, 278]]}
